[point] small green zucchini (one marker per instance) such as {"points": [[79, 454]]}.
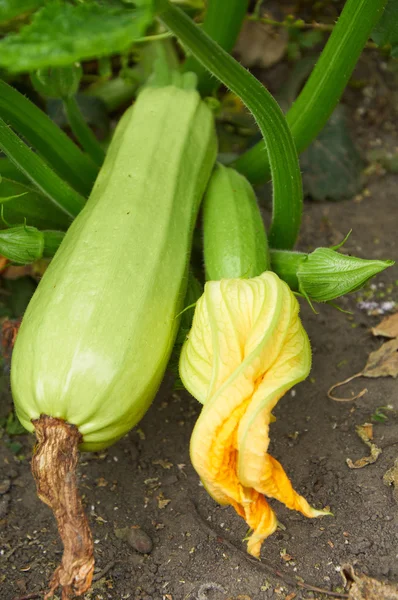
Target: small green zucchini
{"points": [[234, 238], [98, 333]]}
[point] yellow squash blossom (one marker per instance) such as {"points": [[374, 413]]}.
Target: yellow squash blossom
{"points": [[246, 348]]}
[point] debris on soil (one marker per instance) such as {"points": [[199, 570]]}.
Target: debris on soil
{"points": [[376, 308], [390, 477], [362, 587], [365, 432], [4, 486]]}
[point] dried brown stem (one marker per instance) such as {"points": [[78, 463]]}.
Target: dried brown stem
{"points": [[336, 385], [54, 469]]}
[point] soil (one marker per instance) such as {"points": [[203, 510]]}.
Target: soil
{"points": [[146, 480]]}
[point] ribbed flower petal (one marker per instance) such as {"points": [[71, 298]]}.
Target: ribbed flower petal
{"points": [[246, 348]]}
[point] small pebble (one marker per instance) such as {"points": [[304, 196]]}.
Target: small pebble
{"points": [[4, 504], [4, 486], [138, 539]]}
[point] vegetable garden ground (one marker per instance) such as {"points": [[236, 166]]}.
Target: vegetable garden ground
{"points": [[146, 479]]}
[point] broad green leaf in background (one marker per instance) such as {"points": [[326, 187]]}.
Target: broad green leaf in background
{"points": [[386, 31], [332, 166], [13, 8], [61, 33]]}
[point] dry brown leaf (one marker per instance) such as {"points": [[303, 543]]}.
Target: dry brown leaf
{"points": [[365, 432], [388, 327], [381, 363], [367, 588], [260, 45]]}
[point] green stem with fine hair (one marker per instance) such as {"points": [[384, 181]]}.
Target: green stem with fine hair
{"points": [[222, 22], [34, 167], [53, 145], [82, 131], [286, 177], [323, 90]]}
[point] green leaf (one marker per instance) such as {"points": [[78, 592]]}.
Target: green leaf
{"points": [[15, 447], [13, 426], [20, 202], [386, 31], [13, 8], [62, 33], [52, 144], [39, 173], [332, 166]]}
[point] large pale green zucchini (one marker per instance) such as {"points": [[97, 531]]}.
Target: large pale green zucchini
{"points": [[98, 332]]}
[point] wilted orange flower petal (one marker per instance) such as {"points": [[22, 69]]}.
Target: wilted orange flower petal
{"points": [[246, 348]]}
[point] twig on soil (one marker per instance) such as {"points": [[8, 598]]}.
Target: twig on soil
{"points": [[330, 390], [28, 597], [270, 569], [105, 570], [312, 588]]}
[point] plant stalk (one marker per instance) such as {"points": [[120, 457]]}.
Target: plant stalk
{"points": [[54, 470], [286, 177], [82, 131], [222, 22], [313, 107]]}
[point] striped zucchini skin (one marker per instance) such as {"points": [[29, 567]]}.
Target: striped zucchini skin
{"points": [[97, 335], [234, 238]]}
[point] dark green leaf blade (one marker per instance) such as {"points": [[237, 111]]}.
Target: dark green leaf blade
{"points": [[62, 33], [386, 31], [53, 145], [332, 166]]}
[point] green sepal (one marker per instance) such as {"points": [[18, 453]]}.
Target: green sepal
{"points": [[327, 274], [324, 275], [21, 244], [57, 82]]}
